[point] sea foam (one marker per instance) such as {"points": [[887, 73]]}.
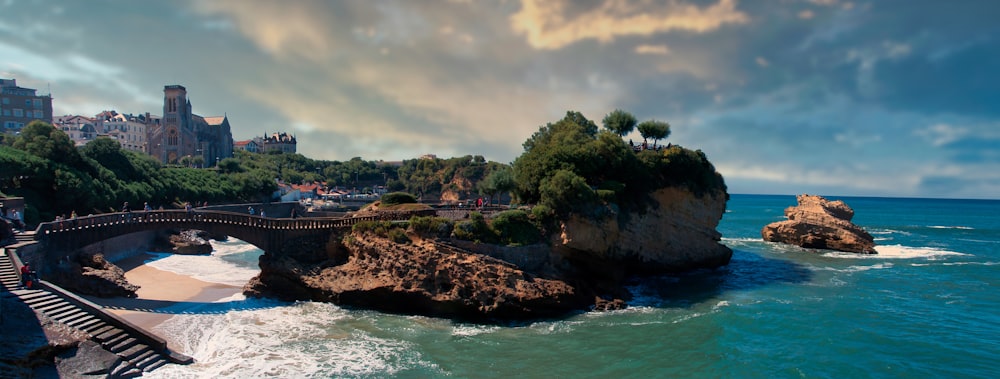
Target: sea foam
{"points": [[897, 252]]}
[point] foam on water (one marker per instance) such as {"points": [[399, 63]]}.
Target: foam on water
{"points": [[299, 340], [950, 227], [897, 252], [214, 268]]}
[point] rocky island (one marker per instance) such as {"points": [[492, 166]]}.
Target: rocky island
{"points": [[818, 223], [604, 213]]}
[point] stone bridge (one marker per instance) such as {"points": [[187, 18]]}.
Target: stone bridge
{"points": [[266, 233]]}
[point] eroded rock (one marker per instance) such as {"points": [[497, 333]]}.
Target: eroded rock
{"points": [[91, 274], [818, 223]]}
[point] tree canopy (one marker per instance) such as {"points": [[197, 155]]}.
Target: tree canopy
{"points": [[620, 122]]}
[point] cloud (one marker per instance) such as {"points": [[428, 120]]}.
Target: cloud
{"points": [[652, 50], [285, 31], [550, 24], [806, 14]]}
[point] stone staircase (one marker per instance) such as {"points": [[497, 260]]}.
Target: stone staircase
{"points": [[136, 357]]}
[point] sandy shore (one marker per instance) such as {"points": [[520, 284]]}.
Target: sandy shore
{"points": [[161, 294]]}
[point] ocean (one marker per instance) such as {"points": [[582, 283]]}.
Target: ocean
{"points": [[927, 306]]}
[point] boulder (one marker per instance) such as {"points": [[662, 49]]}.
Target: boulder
{"points": [[818, 223], [191, 242], [91, 274]]}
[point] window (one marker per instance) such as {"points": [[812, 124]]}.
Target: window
{"points": [[6, 100], [38, 103], [10, 124], [27, 103], [6, 112], [39, 114], [18, 112]]}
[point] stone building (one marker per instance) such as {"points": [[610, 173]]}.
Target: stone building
{"points": [[282, 142], [130, 131], [19, 106], [180, 133]]}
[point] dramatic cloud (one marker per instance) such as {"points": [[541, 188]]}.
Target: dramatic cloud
{"points": [[552, 24], [821, 96]]}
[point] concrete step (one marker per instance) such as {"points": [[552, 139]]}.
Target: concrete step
{"points": [[155, 365], [92, 328], [147, 355], [134, 351], [74, 318], [112, 341], [62, 311], [82, 322], [123, 345], [49, 306], [100, 330], [30, 294]]}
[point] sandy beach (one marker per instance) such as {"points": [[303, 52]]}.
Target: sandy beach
{"points": [[162, 294]]}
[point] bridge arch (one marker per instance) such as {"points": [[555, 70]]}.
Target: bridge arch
{"points": [[268, 234]]}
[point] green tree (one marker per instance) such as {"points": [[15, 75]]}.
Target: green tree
{"points": [[497, 183], [620, 122], [655, 130]]}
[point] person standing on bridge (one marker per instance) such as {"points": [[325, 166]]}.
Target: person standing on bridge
{"points": [[126, 212], [250, 209], [190, 211]]}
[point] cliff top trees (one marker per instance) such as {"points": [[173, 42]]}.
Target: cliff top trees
{"points": [[655, 130], [620, 122], [570, 167]]}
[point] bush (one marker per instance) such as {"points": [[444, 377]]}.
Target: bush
{"points": [[385, 229], [514, 227], [394, 198], [474, 229], [431, 226]]}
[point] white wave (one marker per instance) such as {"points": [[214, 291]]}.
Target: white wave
{"points": [[741, 239], [897, 252], [209, 268], [956, 264], [856, 268], [950, 227], [300, 340], [473, 330]]}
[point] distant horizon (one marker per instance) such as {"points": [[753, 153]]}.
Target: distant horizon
{"points": [[825, 96]]}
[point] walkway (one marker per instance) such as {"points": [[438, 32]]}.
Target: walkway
{"points": [[138, 352]]}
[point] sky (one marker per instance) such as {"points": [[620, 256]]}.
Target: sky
{"points": [[831, 97]]}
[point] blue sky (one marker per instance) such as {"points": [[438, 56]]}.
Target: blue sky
{"points": [[833, 97]]}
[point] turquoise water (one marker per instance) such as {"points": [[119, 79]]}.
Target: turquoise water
{"points": [[927, 306]]}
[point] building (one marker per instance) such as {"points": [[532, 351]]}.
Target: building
{"points": [[282, 142], [130, 131], [180, 133], [80, 129], [247, 145], [19, 106]]}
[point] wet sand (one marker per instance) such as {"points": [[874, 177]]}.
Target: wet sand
{"points": [[162, 294]]}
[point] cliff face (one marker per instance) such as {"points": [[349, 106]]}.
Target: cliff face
{"points": [[820, 224], [676, 234]]}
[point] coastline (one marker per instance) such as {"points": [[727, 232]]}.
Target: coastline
{"points": [[161, 295]]}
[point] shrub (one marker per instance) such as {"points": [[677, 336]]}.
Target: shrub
{"points": [[474, 229], [385, 229], [431, 226], [514, 227], [394, 198]]}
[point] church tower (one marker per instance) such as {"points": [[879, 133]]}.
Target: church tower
{"points": [[176, 137]]}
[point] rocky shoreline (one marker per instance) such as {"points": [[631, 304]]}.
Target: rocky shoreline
{"points": [[583, 266]]}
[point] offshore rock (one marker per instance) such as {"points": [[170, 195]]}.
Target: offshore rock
{"points": [[185, 242], [91, 274], [818, 223], [418, 278], [676, 233]]}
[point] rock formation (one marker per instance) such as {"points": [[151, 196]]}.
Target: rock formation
{"points": [[91, 274], [584, 267], [420, 277], [818, 223], [676, 234], [188, 242]]}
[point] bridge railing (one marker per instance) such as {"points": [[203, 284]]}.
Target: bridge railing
{"points": [[185, 217]]}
